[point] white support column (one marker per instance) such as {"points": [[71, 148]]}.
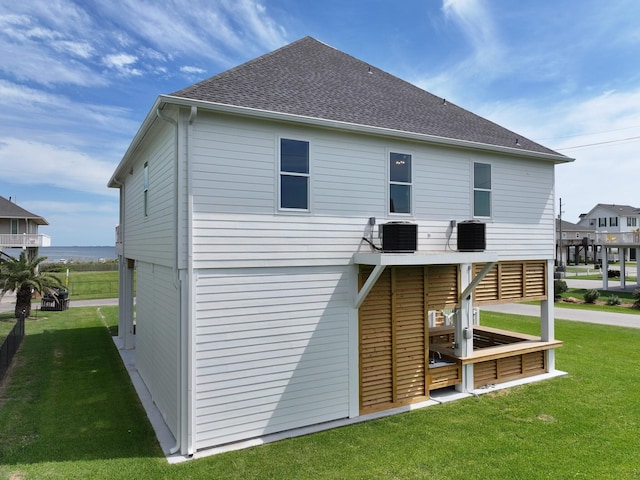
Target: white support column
{"points": [[547, 318], [623, 268], [605, 268], [464, 329], [126, 304]]}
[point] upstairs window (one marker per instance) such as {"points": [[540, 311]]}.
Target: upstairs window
{"points": [[481, 190], [294, 174], [145, 188], [14, 226], [632, 222], [400, 183], [613, 221]]}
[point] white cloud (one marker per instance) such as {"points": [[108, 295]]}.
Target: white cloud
{"points": [[606, 125], [34, 163], [123, 63], [192, 70]]}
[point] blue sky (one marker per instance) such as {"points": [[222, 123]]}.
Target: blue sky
{"points": [[78, 77]]}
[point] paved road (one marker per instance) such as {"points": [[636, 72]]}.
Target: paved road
{"points": [[8, 303], [589, 316]]}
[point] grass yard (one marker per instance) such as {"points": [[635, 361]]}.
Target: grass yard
{"points": [[91, 284], [626, 298], [70, 412], [7, 321]]}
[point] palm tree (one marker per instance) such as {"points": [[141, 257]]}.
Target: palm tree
{"points": [[21, 275]]}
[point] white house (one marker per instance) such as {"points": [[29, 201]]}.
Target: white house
{"points": [[617, 234], [19, 228], [252, 206]]}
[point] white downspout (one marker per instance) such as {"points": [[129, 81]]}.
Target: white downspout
{"points": [[192, 283]]}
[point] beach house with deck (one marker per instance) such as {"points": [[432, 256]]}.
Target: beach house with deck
{"points": [[311, 237], [19, 228]]}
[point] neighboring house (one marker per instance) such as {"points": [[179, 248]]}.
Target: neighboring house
{"points": [[248, 206], [617, 234], [574, 243], [614, 221], [19, 228]]}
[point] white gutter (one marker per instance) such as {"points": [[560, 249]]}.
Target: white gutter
{"points": [[191, 351]]}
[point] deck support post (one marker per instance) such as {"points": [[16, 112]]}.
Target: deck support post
{"points": [[125, 312], [623, 268], [605, 268], [547, 318], [463, 331]]}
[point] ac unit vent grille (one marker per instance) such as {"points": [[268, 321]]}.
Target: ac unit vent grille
{"points": [[471, 237], [399, 237]]}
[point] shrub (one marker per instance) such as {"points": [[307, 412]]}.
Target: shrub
{"points": [[636, 295], [559, 287], [613, 300], [591, 296]]}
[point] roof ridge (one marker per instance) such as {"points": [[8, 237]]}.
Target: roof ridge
{"points": [[310, 78]]}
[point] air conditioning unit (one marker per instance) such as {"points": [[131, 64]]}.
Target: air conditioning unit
{"points": [[399, 237], [471, 236]]}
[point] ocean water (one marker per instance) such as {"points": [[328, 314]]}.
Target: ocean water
{"points": [[71, 254]]}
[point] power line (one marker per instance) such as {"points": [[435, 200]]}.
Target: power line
{"points": [[599, 143], [587, 134]]}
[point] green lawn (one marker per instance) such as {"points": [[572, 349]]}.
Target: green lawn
{"points": [[92, 284], [70, 412], [7, 321]]}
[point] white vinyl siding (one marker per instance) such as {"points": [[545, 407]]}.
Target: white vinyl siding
{"points": [[150, 236], [157, 337], [272, 350]]}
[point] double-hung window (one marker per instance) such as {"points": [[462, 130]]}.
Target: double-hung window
{"points": [[294, 174], [481, 190], [145, 188], [400, 183], [613, 221], [602, 221], [631, 221]]}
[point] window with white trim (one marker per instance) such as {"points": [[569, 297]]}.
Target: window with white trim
{"points": [[294, 174], [145, 188], [602, 221], [400, 183], [613, 221], [632, 221], [481, 189]]}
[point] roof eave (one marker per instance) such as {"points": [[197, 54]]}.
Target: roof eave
{"points": [[371, 130], [148, 121]]}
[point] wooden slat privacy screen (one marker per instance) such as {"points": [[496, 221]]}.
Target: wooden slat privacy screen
{"points": [[511, 282], [394, 332]]}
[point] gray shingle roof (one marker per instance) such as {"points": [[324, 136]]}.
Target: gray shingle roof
{"points": [[8, 209], [311, 79], [622, 210]]}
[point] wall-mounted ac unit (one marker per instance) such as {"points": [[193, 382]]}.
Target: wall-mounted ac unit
{"points": [[399, 237], [471, 236]]}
